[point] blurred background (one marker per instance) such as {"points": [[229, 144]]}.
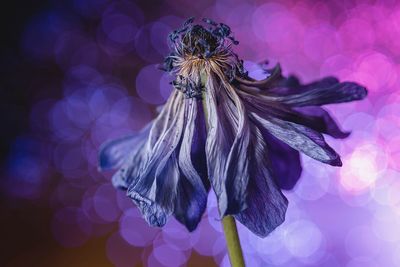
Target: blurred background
{"points": [[77, 73]]}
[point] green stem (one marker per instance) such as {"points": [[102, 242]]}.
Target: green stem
{"points": [[228, 222], [233, 242]]}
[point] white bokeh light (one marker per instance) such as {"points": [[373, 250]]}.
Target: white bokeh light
{"points": [[362, 169], [302, 238]]}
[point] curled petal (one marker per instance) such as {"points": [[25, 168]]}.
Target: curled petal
{"points": [[337, 93], [151, 174], [291, 85], [300, 138], [320, 120], [274, 78], [135, 162], [159, 174], [313, 117], [112, 154]]}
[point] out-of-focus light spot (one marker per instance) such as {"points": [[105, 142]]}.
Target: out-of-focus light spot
{"points": [[132, 226], [105, 203], [98, 103], [385, 224], [388, 122], [119, 28], [61, 126], [367, 72], [321, 42], [81, 77], [361, 242], [148, 84], [25, 168], [396, 256], [238, 15], [175, 235], [169, 256], [120, 111], [69, 161], [88, 208], [360, 121], [225, 261], [387, 188], [144, 47], [25, 177], [339, 65], [124, 202], [357, 34], [274, 243], [361, 262], [315, 183], [359, 199], [206, 235], [362, 168], [158, 37], [219, 247], [279, 28], [302, 238], [300, 65]]}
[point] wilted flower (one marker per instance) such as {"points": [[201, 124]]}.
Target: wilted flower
{"points": [[244, 142]]}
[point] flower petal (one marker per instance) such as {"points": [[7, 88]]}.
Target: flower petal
{"points": [[227, 146], [322, 121], [300, 138], [152, 183], [266, 205], [337, 93], [285, 162], [135, 162], [193, 185], [113, 153]]}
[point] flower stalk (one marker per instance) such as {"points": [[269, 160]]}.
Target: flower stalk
{"points": [[228, 222], [233, 242]]}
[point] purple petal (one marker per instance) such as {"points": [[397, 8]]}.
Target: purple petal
{"points": [[193, 185], [227, 147], [152, 183], [113, 153], [266, 205], [135, 162], [285, 162], [313, 117], [300, 138], [322, 121], [337, 93], [292, 85]]}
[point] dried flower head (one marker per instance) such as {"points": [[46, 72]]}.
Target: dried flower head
{"points": [[244, 142]]}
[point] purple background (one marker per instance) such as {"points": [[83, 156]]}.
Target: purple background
{"points": [[83, 72]]}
